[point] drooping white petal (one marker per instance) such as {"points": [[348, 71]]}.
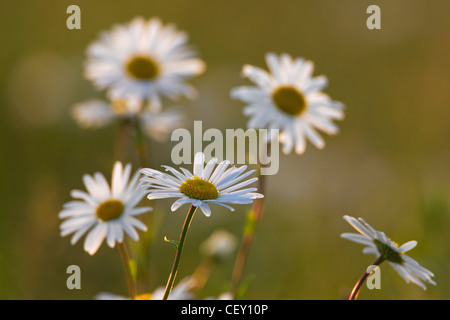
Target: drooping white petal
{"points": [[357, 238], [359, 227], [95, 238], [205, 209]]}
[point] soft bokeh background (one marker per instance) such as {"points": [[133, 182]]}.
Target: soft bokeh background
{"points": [[389, 164]]}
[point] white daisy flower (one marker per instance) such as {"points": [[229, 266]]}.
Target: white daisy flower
{"points": [[103, 211], [143, 60], [379, 244], [160, 125], [182, 291], [94, 114], [219, 245], [289, 99], [223, 296], [202, 187]]}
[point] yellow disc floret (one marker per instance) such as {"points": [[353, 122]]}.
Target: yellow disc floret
{"points": [[200, 189], [289, 100], [142, 68], [110, 210]]}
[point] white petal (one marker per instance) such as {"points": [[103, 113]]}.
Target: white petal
{"points": [[217, 174], [240, 185], [128, 228], [95, 238], [206, 209], [248, 94], [209, 168], [136, 223], [370, 250], [258, 76], [198, 164], [357, 238], [177, 204], [407, 246], [359, 227], [274, 65], [176, 173], [315, 84], [221, 204], [81, 231], [111, 234]]}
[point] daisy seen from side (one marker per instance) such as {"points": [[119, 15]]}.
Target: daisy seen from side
{"points": [[379, 244], [94, 114]]}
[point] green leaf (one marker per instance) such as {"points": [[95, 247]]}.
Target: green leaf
{"points": [[243, 288], [250, 223], [133, 268], [173, 242]]}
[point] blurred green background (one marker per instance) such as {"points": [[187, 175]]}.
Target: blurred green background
{"points": [[389, 164]]}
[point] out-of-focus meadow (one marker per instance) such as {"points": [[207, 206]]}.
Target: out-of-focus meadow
{"points": [[389, 164]]}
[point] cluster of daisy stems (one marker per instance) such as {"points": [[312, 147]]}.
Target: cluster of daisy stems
{"points": [[143, 62]]}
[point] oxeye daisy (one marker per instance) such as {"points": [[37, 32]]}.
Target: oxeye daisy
{"points": [[143, 60], [205, 185], [379, 244], [104, 211], [94, 114], [291, 100], [183, 291]]}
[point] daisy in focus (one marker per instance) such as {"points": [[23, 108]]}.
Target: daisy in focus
{"points": [[379, 244], [207, 184], [104, 211], [95, 114], [143, 60], [291, 100]]}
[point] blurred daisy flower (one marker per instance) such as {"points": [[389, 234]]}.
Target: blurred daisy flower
{"points": [[204, 186], [219, 245], [182, 291], [289, 99], [105, 212], [385, 249], [223, 296], [143, 60], [94, 114]]}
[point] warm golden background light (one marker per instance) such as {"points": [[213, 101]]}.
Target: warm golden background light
{"points": [[389, 164]]}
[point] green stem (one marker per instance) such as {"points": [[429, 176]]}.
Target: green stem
{"points": [[363, 278], [176, 262], [140, 144], [144, 247], [126, 264], [249, 233], [124, 132]]}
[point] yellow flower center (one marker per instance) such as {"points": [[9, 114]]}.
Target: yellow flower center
{"points": [[198, 188], [143, 296], [110, 210], [289, 100], [142, 68]]}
